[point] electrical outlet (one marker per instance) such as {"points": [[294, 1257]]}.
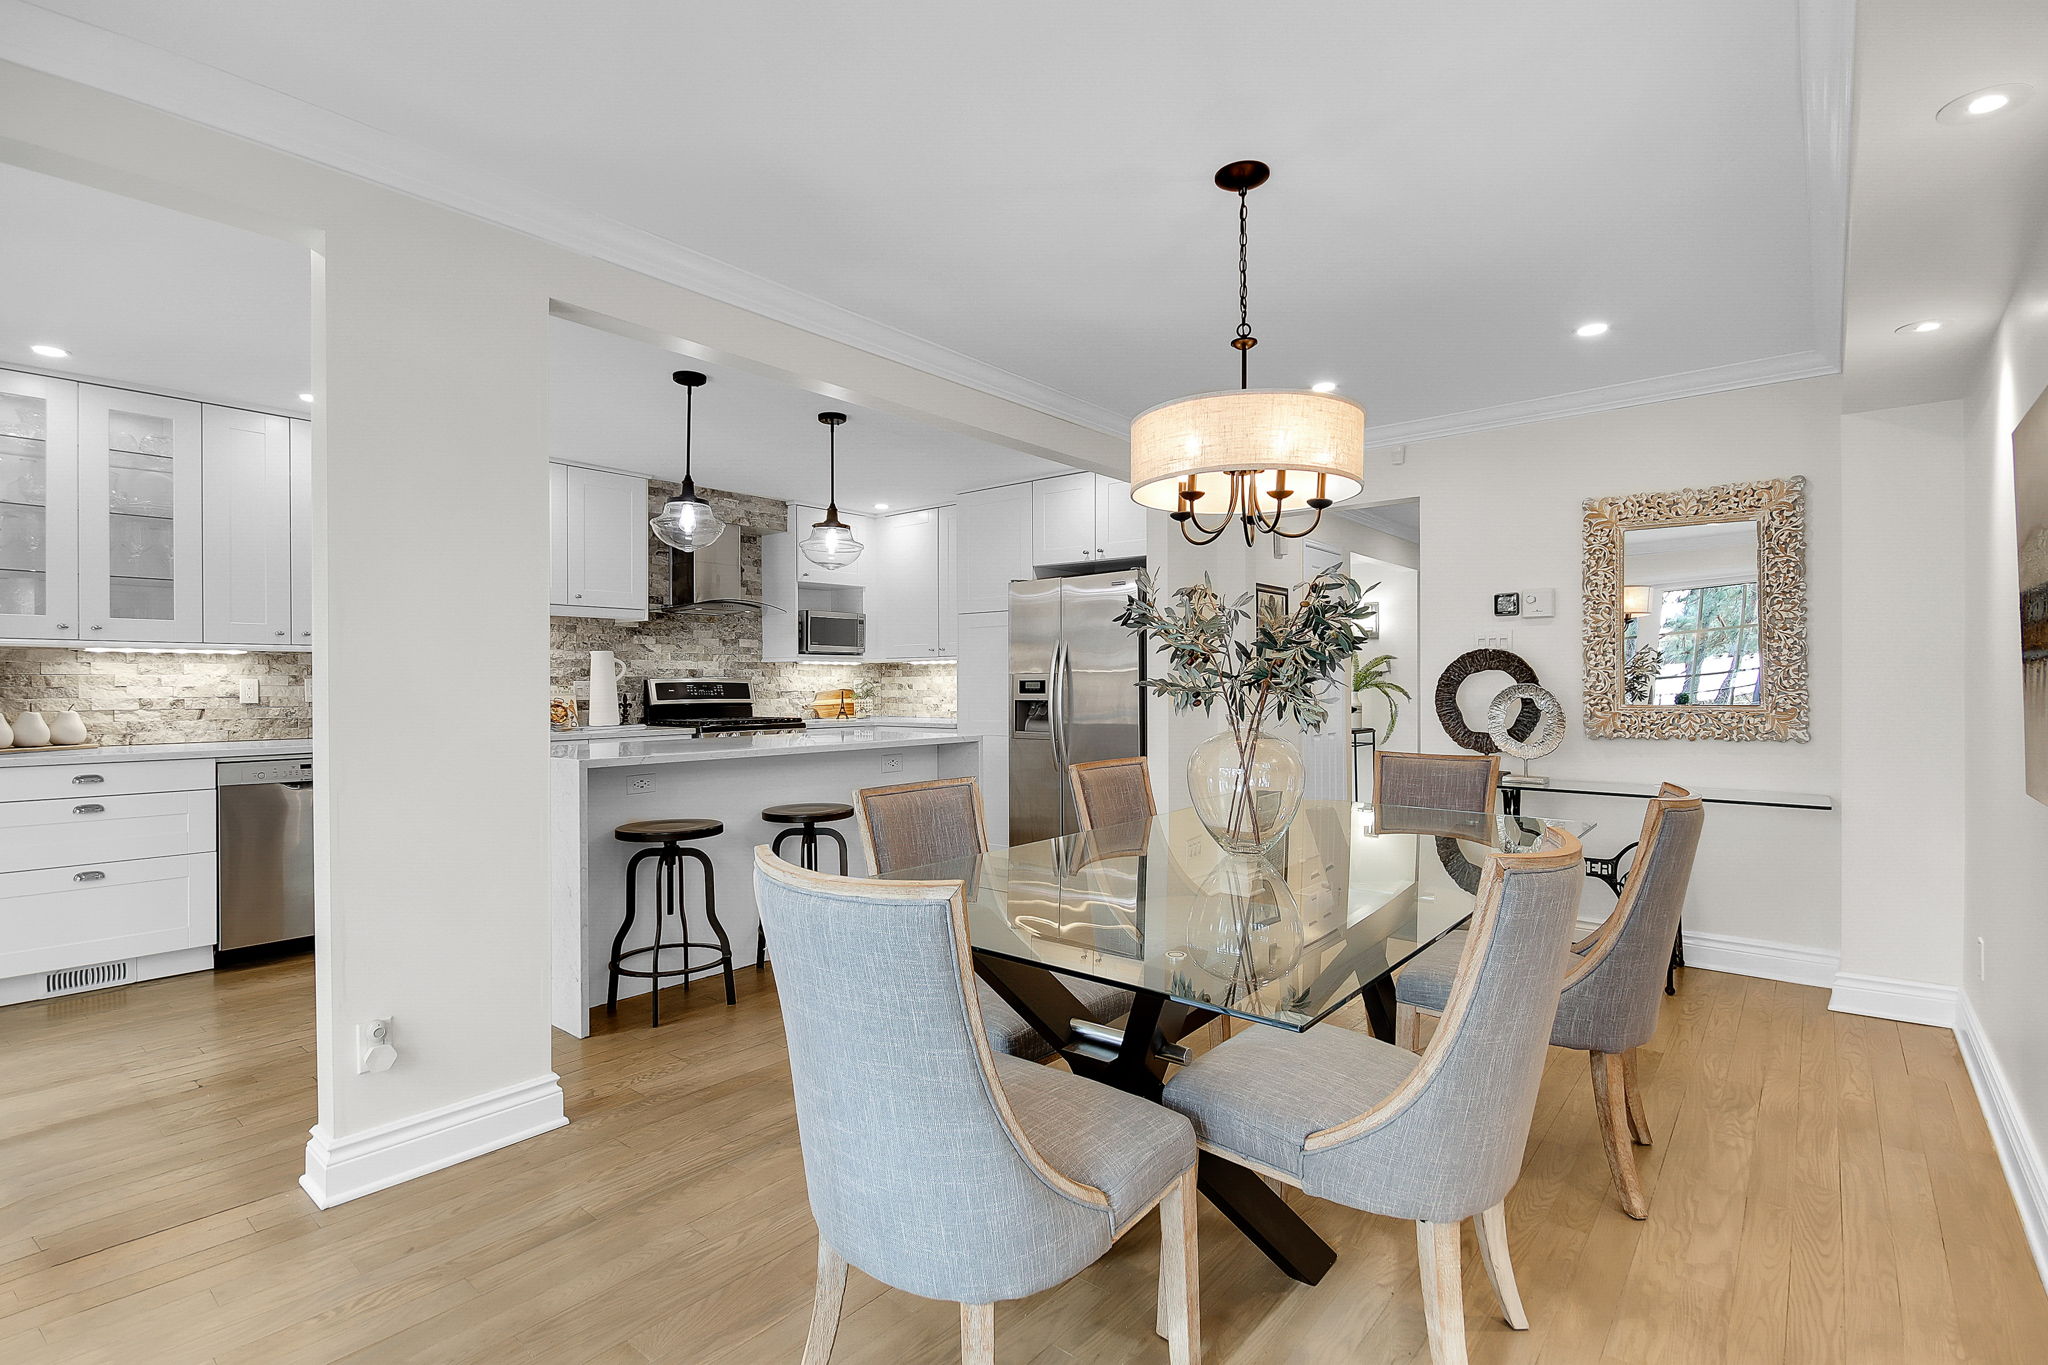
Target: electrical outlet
{"points": [[252, 691], [643, 784], [374, 1051], [893, 763]]}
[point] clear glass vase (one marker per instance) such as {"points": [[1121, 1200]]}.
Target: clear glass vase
{"points": [[1247, 933], [1246, 795]]}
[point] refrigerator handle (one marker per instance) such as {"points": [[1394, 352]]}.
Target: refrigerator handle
{"points": [[1056, 711]]}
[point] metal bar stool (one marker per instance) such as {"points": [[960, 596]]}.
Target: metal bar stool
{"points": [[808, 817], [669, 854]]}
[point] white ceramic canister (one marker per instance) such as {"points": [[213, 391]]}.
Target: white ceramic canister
{"points": [[31, 731], [67, 728]]}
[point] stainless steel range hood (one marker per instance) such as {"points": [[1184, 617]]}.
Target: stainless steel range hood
{"points": [[707, 583]]}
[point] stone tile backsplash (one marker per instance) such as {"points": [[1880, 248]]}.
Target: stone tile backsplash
{"points": [[192, 698], [161, 698]]}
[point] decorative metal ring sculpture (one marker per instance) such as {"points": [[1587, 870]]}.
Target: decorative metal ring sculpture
{"points": [[1514, 702], [1471, 662]]}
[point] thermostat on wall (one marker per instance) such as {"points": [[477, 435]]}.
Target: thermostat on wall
{"points": [[1507, 604], [1539, 602]]}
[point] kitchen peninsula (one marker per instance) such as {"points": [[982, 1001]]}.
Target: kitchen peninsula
{"points": [[596, 785]]}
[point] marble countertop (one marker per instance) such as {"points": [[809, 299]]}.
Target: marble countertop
{"points": [[154, 753], [909, 722], [616, 753]]}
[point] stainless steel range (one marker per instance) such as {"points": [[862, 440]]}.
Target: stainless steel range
{"points": [[710, 706]]}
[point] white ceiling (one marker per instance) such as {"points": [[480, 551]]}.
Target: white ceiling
{"points": [[1943, 215], [612, 402], [1456, 187], [149, 298]]}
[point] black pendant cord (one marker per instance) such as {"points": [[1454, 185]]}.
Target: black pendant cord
{"points": [[689, 442], [832, 421], [1244, 340]]}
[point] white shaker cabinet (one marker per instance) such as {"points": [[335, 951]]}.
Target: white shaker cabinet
{"points": [[140, 488], [994, 545], [38, 508], [1119, 522], [1081, 518], [248, 528], [949, 582], [302, 531], [913, 615], [600, 544]]}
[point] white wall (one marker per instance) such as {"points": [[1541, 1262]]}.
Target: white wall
{"points": [[430, 472], [2005, 1020]]}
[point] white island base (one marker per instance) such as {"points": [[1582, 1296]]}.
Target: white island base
{"points": [[598, 785]]}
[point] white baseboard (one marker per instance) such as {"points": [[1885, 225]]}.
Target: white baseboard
{"points": [[338, 1170], [1887, 997], [2026, 1171], [1761, 958]]}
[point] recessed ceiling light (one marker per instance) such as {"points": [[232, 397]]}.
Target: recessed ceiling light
{"points": [[1928, 326], [1981, 104], [1589, 330], [305, 398], [51, 352], [1327, 386], [881, 507]]}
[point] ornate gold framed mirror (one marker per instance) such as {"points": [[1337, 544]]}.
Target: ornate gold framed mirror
{"points": [[1696, 613]]}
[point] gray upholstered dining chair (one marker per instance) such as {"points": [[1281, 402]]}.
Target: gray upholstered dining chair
{"points": [[934, 1164], [1435, 781], [917, 823], [1111, 791], [1612, 993], [1362, 1123]]}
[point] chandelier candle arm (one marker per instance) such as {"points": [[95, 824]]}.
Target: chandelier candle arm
{"points": [[1249, 456], [686, 521]]}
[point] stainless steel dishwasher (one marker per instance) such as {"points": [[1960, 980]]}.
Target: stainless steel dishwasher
{"points": [[265, 807]]}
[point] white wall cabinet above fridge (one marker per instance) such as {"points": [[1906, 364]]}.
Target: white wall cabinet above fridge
{"points": [[914, 613], [118, 528], [1081, 518], [599, 542]]}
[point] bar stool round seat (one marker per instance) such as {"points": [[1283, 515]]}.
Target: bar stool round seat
{"points": [[806, 812], [664, 840], [666, 831]]}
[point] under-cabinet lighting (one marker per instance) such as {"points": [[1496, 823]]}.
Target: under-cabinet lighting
{"points": [[121, 649]]}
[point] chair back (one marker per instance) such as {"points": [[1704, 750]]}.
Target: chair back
{"points": [[1436, 781], [1111, 791], [918, 823], [1611, 996], [1447, 1142], [918, 1171]]}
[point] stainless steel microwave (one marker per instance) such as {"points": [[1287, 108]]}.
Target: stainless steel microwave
{"points": [[831, 632]]}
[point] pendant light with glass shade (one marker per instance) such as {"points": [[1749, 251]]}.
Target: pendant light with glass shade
{"points": [[686, 521], [831, 545], [1247, 455]]}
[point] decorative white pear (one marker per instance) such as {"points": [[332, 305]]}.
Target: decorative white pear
{"points": [[6, 733], [31, 731], [67, 728]]}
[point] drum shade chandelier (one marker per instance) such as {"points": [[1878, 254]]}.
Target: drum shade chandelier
{"points": [[686, 521], [831, 545], [1247, 455]]}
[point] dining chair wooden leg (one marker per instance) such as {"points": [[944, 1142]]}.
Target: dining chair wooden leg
{"points": [[1638, 1121], [1492, 1227], [1610, 1102], [1180, 1293], [1443, 1295], [1407, 1024], [977, 1334], [825, 1306]]}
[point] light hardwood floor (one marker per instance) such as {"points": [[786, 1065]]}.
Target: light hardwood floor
{"points": [[1822, 1189]]}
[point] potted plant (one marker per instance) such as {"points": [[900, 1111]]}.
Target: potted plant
{"points": [[1375, 675], [1246, 783]]}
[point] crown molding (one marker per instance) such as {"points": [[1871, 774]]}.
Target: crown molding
{"points": [[73, 50], [1371, 518], [1777, 369]]}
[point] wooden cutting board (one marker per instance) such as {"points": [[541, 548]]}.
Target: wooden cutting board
{"points": [[835, 703]]}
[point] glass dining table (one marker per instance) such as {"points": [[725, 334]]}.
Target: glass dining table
{"points": [[1284, 941]]}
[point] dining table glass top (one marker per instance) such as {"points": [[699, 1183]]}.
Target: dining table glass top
{"points": [[1351, 893]]}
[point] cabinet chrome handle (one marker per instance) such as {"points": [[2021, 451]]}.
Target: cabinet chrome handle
{"points": [[99, 627], [88, 876], [64, 625], [86, 779], [280, 635], [94, 809]]}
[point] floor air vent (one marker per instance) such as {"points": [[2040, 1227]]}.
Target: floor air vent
{"points": [[86, 978]]}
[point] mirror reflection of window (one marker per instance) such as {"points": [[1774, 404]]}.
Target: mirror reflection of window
{"points": [[1690, 636]]}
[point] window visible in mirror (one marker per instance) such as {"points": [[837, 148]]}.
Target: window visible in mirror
{"points": [[1705, 638]]}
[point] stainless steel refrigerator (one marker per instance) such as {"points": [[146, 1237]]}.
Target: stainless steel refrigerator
{"points": [[1076, 692]]}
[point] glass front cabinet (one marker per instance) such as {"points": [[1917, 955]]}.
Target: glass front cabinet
{"points": [[106, 508]]}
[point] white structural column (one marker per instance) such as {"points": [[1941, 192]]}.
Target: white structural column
{"points": [[430, 590]]}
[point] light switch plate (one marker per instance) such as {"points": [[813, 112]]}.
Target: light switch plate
{"points": [[1500, 640]]}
